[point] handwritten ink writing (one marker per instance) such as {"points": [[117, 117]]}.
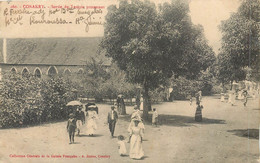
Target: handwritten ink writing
{"points": [[54, 14], [13, 20], [33, 20]]}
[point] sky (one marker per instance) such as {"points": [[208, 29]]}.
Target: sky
{"points": [[208, 13]]}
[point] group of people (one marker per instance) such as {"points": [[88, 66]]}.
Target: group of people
{"points": [[232, 96], [136, 133], [77, 121], [135, 129]]}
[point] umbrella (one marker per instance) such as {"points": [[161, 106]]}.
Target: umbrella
{"points": [[74, 103], [92, 106]]}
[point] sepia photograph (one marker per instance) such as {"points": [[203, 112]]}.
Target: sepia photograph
{"points": [[129, 81]]}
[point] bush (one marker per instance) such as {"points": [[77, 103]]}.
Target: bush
{"points": [[29, 100], [183, 88]]}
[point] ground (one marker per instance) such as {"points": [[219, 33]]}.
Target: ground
{"points": [[221, 137]]}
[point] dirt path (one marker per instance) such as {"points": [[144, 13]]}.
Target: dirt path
{"points": [[219, 138]]}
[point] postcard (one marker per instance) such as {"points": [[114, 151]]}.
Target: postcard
{"points": [[129, 81]]}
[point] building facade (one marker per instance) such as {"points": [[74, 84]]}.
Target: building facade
{"points": [[43, 57]]}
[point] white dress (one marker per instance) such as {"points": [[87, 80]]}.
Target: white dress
{"points": [[122, 147], [91, 122], [229, 97], [136, 115], [136, 147], [222, 98]]}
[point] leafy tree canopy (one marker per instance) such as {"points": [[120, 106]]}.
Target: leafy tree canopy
{"points": [[240, 40], [151, 44]]}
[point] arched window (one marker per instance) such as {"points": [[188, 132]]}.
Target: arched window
{"points": [[13, 70], [37, 73], [52, 71], [80, 71], [67, 72], [25, 72]]}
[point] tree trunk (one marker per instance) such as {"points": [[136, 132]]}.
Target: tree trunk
{"points": [[146, 103], [123, 110]]}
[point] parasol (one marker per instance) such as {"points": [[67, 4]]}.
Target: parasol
{"points": [[74, 103], [92, 106]]}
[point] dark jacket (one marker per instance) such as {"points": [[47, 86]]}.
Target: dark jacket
{"points": [[80, 116], [109, 116]]}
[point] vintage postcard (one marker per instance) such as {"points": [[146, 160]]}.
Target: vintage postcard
{"points": [[129, 81]]}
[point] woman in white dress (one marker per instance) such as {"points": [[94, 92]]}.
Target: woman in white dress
{"points": [[91, 121], [136, 115], [222, 97], [136, 139]]}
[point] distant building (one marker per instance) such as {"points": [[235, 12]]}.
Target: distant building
{"points": [[43, 57]]}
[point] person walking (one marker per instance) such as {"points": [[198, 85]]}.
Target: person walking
{"points": [[198, 114], [155, 117], [222, 97], [245, 94], [136, 115], [121, 145], [80, 117], [136, 139], [111, 120], [71, 127], [91, 121]]}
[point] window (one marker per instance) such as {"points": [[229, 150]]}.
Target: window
{"points": [[13, 70], [52, 71], [67, 72], [25, 72], [37, 73], [80, 71]]}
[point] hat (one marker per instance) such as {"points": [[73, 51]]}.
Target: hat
{"points": [[112, 107]]}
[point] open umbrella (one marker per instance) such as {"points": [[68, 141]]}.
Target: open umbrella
{"points": [[120, 96], [92, 106], [74, 103]]}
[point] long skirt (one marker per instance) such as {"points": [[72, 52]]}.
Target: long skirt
{"points": [[198, 115], [91, 126], [222, 99], [136, 148]]}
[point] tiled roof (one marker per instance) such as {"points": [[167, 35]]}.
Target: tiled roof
{"points": [[59, 51]]}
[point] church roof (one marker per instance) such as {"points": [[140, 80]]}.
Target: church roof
{"points": [[53, 51]]}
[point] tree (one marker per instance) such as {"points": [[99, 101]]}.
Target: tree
{"points": [[94, 78], [228, 72], [240, 42], [148, 44]]}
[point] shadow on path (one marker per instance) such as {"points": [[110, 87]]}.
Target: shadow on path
{"points": [[95, 135], [178, 120], [246, 133]]}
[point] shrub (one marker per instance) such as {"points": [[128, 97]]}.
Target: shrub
{"points": [[29, 100]]}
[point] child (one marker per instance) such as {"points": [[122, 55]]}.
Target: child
{"points": [[121, 145], [71, 127], [155, 117]]}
